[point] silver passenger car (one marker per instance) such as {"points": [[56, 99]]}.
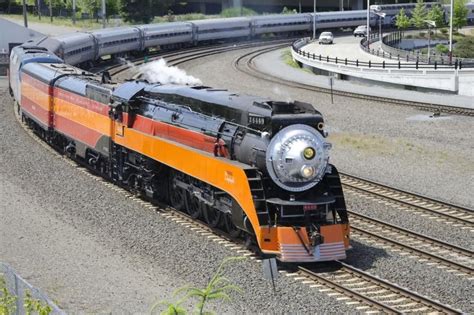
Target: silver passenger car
{"points": [[216, 29], [165, 34], [281, 23], [76, 48], [118, 40]]}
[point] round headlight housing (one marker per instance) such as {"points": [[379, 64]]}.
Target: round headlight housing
{"points": [[297, 157]]}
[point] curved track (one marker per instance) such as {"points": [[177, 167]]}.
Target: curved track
{"points": [[366, 292], [245, 64]]}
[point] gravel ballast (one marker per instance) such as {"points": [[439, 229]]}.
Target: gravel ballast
{"points": [[396, 145], [133, 256], [92, 249]]}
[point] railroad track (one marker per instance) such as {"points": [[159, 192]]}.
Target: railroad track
{"points": [[331, 282], [456, 216], [356, 288], [368, 293], [176, 57], [433, 252], [245, 63]]}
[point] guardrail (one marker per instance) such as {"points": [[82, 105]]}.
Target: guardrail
{"points": [[18, 287], [391, 52], [297, 45]]}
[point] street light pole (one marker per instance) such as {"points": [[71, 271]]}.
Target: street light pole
{"points": [[314, 19], [429, 43], [103, 13], [74, 12], [368, 24], [25, 19], [451, 31], [51, 10], [39, 10]]}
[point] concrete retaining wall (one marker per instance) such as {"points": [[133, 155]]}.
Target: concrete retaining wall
{"points": [[449, 80]]}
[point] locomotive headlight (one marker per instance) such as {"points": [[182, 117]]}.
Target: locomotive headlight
{"points": [[297, 157], [309, 153], [307, 171]]}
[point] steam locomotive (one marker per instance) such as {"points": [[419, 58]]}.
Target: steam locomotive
{"points": [[255, 167]]}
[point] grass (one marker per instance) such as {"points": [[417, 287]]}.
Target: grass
{"points": [[288, 59], [93, 24], [63, 21]]}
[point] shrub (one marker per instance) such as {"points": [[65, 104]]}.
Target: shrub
{"points": [[464, 48], [442, 49], [233, 12], [444, 31]]}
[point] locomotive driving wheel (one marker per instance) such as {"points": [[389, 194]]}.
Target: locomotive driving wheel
{"points": [[176, 194], [194, 207], [230, 226], [212, 216]]}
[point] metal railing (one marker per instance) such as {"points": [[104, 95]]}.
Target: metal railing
{"points": [[297, 45], [390, 40], [18, 287]]}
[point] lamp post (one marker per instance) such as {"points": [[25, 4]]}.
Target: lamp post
{"points": [[451, 10], [25, 19], [74, 12], [103, 13], [381, 16], [39, 10], [314, 20], [368, 24], [430, 24]]}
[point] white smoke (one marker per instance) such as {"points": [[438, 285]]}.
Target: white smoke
{"points": [[159, 71], [124, 61], [282, 94]]}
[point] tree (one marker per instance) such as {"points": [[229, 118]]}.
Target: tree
{"points": [[112, 8], [460, 14], [402, 21], [436, 14], [419, 14], [90, 6], [136, 11]]}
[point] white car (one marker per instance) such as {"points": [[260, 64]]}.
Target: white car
{"points": [[326, 38], [361, 31]]}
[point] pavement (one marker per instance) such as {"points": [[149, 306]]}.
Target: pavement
{"points": [[344, 47], [44, 28], [272, 64]]}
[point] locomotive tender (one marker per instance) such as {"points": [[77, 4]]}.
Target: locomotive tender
{"points": [[255, 167]]}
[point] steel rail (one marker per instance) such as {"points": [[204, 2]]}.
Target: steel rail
{"points": [[403, 292], [409, 199], [219, 234], [435, 241], [251, 70], [412, 249]]}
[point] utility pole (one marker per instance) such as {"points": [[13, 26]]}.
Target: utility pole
{"points": [[451, 13], [39, 10], [51, 10], [25, 19], [103, 13], [74, 12], [314, 19]]}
